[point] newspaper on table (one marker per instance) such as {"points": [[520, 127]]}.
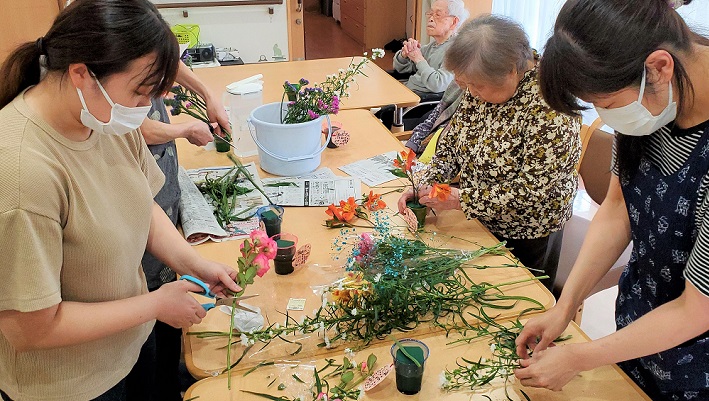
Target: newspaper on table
{"points": [[196, 210], [375, 170], [320, 188]]}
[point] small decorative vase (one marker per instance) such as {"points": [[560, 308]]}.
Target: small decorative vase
{"points": [[408, 374], [420, 212], [221, 146], [271, 216], [286, 247]]}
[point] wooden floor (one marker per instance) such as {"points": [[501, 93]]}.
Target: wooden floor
{"points": [[324, 38]]}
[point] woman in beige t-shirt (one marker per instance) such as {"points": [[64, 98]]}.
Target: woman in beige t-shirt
{"points": [[76, 203]]}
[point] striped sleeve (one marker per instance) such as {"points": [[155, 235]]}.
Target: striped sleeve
{"points": [[697, 270]]}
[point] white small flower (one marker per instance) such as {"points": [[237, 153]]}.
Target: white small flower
{"points": [[277, 326], [377, 53], [354, 312], [344, 335], [492, 348], [244, 340], [341, 71], [322, 326], [503, 372], [365, 54], [443, 379], [378, 277]]}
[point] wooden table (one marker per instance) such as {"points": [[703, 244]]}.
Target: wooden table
{"points": [[604, 383], [375, 90], [205, 357]]}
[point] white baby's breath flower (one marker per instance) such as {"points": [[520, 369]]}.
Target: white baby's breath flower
{"points": [[244, 340], [377, 53], [354, 312], [493, 347]]}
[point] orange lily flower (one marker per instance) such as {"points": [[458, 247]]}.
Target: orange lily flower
{"points": [[374, 201], [349, 209], [410, 160], [335, 212], [440, 191], [408, 156]]}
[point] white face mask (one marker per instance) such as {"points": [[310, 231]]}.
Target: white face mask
{"points": [[635, 119], [123, 119]]}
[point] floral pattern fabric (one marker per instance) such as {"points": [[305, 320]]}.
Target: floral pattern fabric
{"points": [[516, 160]]}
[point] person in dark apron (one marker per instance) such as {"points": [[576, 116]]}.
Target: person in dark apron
{"points": [[644, 71], [159, 134]]}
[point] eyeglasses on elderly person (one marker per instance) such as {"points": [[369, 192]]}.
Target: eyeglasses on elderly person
{"points": [[437, 15]]}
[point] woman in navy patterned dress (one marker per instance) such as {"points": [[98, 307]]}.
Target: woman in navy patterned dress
{"points": [[644, 71]]}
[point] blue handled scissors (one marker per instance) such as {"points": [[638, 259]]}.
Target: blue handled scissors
{"points": [[228, 301]]}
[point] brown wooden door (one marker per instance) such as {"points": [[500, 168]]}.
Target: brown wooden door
{"points": [[296, 33]]}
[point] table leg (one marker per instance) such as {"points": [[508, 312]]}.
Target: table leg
{"points": [[398, 125]]}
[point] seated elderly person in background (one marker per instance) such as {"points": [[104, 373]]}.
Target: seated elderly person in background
{"points": [[425, 64], [516, 156]]}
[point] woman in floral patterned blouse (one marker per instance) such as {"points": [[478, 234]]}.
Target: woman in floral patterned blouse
{"points": [[516, 156]]}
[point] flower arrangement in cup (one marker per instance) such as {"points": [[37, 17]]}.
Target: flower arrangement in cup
{"points": [[256, 253], [347, 211], [190, 103], [307, 103], [404, 168]]}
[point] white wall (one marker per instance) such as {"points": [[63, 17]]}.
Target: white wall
{"points": [[249, 29], [696, 15]]}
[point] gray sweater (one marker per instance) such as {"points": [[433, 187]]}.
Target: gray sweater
{"points": [[429, 74]]}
